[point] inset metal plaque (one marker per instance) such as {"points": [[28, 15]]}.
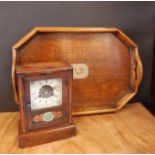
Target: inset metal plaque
{"points": [[80, 71]]}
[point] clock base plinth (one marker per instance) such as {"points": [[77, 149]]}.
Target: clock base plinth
{"points": [[42, 136]]}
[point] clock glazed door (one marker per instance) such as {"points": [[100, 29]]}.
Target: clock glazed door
{"points": [[46, 102]]}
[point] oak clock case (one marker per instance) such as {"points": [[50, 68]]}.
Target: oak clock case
{"points": [[45, 99]]}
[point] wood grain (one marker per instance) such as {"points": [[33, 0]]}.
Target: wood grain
{"points": [[131, 130], [115, 69]]}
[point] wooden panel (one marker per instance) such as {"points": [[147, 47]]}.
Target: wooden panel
{"points": [[113, 62], [131, 130]]}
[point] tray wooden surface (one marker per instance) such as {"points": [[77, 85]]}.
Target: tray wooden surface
{"points": [[111, 58]]}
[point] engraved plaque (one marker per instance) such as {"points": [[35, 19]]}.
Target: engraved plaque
{"points": [[80, 71]]}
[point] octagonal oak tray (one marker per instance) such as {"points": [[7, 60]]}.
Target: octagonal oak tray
{"points": [[106, 65]]}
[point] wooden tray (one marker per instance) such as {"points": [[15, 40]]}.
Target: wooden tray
{"points": [[106, 63]]}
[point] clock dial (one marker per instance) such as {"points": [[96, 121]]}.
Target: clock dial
{"points": [[45, 93]]}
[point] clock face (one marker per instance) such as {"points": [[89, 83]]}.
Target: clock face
{"points": [[45, 93]]}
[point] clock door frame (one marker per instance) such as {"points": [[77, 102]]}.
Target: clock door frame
{"points": [[25, 109]]}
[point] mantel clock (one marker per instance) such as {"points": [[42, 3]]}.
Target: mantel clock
{"points": [[45, 102]]}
